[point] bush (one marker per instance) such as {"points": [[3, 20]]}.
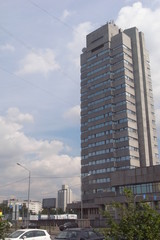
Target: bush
{"points": [[4, 227], [136, 222]]}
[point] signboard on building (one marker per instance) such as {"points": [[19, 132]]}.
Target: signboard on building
{"points": [[49, 203]]}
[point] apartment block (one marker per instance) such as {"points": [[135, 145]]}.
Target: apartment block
{"points": [[64, 197], [118, 128]]}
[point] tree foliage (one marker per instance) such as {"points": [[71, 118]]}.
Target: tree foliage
{"points": [[136, 222], [5, 209], [4, 227], [52, 211]]}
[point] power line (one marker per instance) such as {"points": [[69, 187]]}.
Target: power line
{"points": [[72, 186], [49, 177], [52, 16], [15, 38], [9, 184], [34, 85], [55, 18], [33, 50], [34, 177]]}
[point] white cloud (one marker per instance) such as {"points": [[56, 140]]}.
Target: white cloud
{"points": [[14, 115], [65, 14], [42, 157], [7, 47], [41, 61], [79, 41], [73, 115]]}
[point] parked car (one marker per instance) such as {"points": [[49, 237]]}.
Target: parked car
{"points": [[30, 225], [79, 234], [68, 225], [29, 234]]}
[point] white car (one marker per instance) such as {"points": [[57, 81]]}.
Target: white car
{"points": [[29, 234]]}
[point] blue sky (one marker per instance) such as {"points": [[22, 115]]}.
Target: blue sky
{"points": [[40, 45]]}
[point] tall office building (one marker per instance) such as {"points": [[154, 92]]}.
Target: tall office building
{"points": [[64, 197], [118, 129]]}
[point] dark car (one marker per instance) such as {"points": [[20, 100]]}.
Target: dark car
{"points": [[30, 225], [68, 225], [79, 234]]}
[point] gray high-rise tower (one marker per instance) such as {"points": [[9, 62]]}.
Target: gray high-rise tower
{"points": [[118, 129], [64, 197]]}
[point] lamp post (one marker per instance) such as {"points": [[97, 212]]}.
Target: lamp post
{"points": [[29, 184], [139, 195], [81, 201], [82, 194]]}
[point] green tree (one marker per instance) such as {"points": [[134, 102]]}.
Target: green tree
{"points": [[4, 227], [136, 221], [23, 211], [60, 211], [5, 209], [45, 211]]}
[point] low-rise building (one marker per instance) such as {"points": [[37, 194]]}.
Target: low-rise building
{"points": [[144, 182], [17, 207]]}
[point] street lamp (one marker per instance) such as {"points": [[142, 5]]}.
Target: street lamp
{"points": [[139, 195], [29, 184], [81, 201], [82, 194]]}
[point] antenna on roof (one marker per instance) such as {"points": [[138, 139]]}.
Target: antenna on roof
{"points": [[111, 21]]}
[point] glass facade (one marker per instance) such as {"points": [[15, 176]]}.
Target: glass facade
{"points": [[141, 188]]}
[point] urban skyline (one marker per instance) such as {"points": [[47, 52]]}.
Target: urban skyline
{"points": [[40, 103]]}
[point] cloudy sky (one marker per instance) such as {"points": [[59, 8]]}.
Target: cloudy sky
{"points": [[40, 44]]}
